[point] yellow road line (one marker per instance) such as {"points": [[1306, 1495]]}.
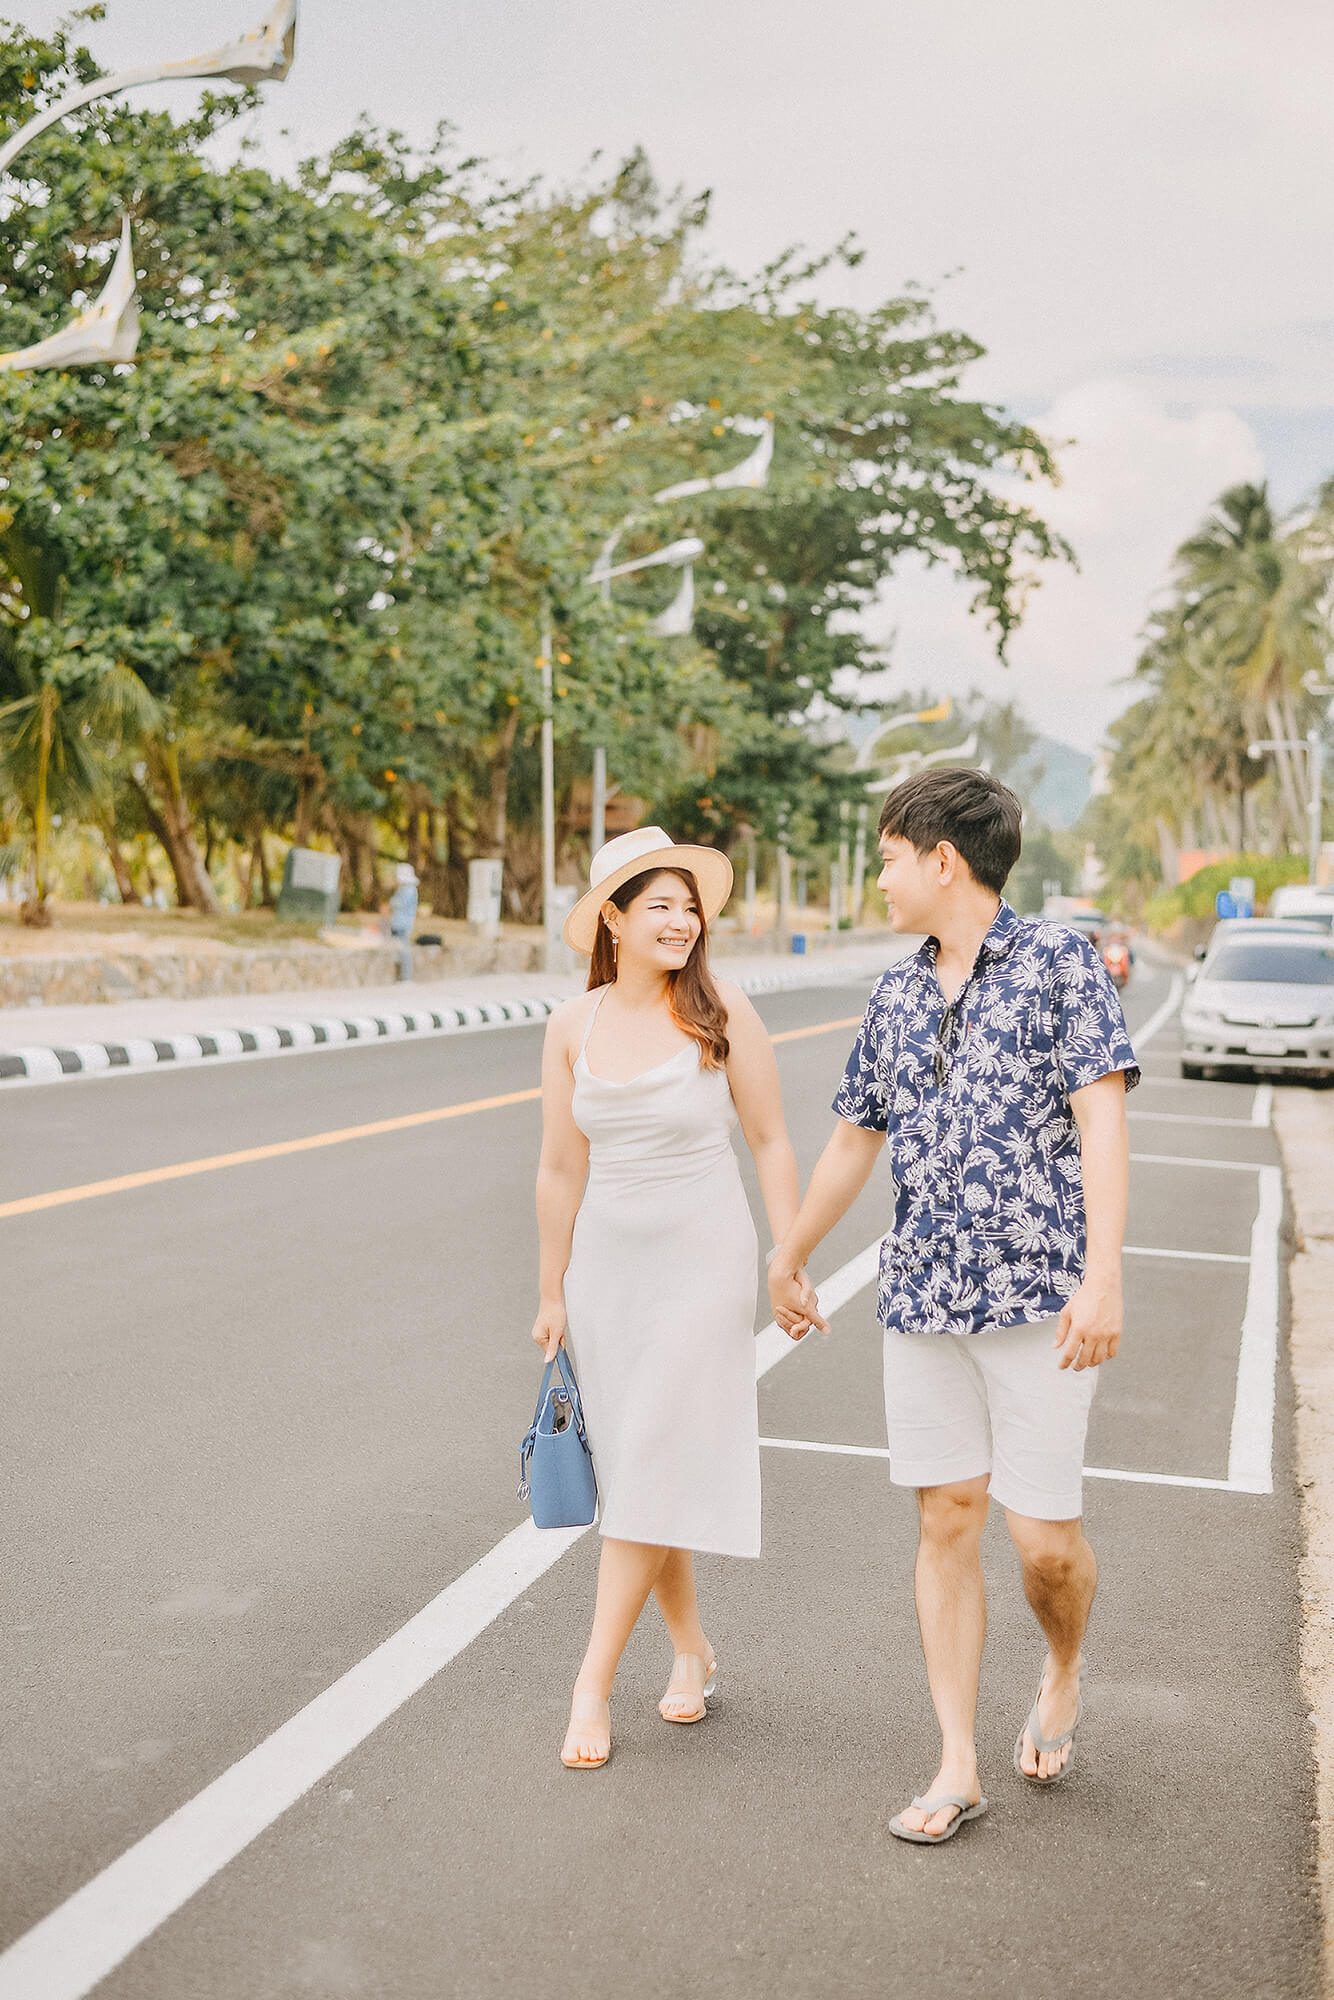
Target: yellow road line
{"points": [[29, 1204], [820, 1028], [152, 1175]]}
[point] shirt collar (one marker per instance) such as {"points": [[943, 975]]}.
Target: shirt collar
{"points": [[999, 940]]}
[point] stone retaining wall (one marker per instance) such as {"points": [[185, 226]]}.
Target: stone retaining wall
{"points": [[74, 980]]}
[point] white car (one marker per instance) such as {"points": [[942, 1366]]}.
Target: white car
{"points": [[1262, 1002], [1297, 899]]}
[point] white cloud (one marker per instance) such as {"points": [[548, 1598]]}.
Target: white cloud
{"points": [[1135, 481]]}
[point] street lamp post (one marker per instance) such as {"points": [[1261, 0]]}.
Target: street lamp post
{"points": [[672, 623], [859, 864], [1315, 762], [548, 789], [598, 827], [265, 55]]}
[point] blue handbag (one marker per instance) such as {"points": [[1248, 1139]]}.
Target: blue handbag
{"points": [[556, 1472]]}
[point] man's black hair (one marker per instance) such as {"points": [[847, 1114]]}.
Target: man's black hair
{"points": [[975, 812]]}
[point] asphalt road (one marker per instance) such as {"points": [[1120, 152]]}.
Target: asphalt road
{"points": [[257, 1418]]}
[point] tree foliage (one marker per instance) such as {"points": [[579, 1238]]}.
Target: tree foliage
{"points": [[288, 572], [1236, 654]]}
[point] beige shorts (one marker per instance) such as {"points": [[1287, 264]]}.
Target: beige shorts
{"points": [[958, 1406]]}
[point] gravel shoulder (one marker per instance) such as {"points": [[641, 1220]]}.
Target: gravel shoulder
{"points": [[1304, 1123]]}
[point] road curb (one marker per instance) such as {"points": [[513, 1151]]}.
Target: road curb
{"points": [[1304, 1125], [43, 1063]]}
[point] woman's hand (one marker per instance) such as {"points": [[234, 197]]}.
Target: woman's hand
{"points": [[549, 1326]]}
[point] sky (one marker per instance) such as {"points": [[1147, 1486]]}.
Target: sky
{"points": [[1130, 207]]}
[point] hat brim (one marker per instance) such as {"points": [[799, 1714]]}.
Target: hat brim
{"points": [[711, 869]]}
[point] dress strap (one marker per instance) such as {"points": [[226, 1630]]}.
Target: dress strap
{"points": [[593, 1014]]}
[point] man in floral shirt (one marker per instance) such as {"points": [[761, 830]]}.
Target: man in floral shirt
{"points": [[994, 1063]]}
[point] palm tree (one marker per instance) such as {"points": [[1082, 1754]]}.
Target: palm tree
{"points": [[1252, 594], [64, 710]]}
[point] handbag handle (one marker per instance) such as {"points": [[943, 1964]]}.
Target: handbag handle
{"points": [[571, 1387]]}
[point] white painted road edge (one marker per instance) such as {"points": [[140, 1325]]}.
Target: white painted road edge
{"points": [[65, 1955], [1250, 1463], [1090, 1471]]}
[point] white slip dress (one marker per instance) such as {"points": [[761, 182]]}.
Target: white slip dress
{"points": [[660, 1305]]}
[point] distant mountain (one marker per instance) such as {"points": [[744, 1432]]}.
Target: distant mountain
{"points": [[1055, 781]]}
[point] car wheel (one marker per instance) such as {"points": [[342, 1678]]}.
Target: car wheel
{"points": [[1193, 1072]]}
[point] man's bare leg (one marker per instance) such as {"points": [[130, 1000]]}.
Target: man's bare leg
{"points": [[1060, 1578], [952, 1618]]}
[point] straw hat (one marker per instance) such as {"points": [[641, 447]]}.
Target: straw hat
{"points": [[633, 854], [404, 873]]}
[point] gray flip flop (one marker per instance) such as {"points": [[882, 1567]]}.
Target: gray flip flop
{"points": [[1047, 1746], [968, 1809]]}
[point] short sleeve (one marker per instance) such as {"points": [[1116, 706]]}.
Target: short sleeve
{"points": [[1089, 1031], [861, 1097]]}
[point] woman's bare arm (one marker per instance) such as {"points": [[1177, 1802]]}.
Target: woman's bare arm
{"points": [[561, 1173], [752, 1073]]}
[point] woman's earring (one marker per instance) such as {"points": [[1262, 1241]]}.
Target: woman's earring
{"points": [[615, 945]]}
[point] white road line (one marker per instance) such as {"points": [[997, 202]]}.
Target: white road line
{"points": [[1175, 1082], [1192, 1256], [1250, 1461], [1142, 1037], [839, 1450], [1168, 1479], [65, 1955], [85, 1938], [1262, 1111], [1090, 1471], [1193, 1118], [1181, 1160]]}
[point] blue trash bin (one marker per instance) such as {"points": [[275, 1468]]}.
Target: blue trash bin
{"points": [[799, 944]]}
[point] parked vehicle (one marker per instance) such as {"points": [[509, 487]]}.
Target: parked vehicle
{"points": [[1259, 927], [1296, 899], [1264, 1001]]}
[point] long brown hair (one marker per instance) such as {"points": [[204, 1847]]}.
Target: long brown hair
{"points": [[694, 1001]]}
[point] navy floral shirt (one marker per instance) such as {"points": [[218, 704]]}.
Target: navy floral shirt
{"points": [[975, 1101]]}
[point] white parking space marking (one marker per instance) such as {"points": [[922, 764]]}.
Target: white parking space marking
{"points": [[1090, 1471], [1191, 1256], [1262, 1111], [1191, 1118], [838, 1450], [65, 1955], [1167, 1479]]}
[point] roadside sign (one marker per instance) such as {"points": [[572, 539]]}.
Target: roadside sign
{"points": [[1242, 891]]}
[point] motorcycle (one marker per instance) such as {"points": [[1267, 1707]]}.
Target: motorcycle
{"points": [[1118, 959]]}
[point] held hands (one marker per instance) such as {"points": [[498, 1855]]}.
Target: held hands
{"points": [[1090, 1328], [549, 1326], [792, 1296]]}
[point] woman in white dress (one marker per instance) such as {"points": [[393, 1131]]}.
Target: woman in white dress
{"points": [[648, 1251]]}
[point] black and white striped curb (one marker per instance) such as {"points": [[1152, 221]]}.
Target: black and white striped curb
{"points": [[48, 1064]]}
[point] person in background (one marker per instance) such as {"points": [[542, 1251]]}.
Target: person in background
{"points": [[403, 915]]}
